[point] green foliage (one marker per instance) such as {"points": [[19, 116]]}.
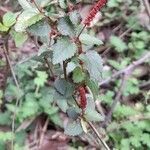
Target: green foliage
{"points": [[119, 45]]}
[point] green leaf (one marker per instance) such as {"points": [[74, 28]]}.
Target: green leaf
{"points": [[65, 27], [93, 63], [73, 129], [9, 19], [78, 75], [118, 43], [41, 78], [63, 49], [3, 28], [27, 18], [19, 38], [89, 39], [63, 87], [41, 28]]}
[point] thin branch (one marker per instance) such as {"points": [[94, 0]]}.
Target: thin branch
{"points": [[126, 70], [147, 7], [43, 132], [65, 70], [11, 67], [98, 135]]}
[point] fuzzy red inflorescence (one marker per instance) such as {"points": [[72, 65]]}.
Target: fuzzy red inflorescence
{"points": [[94, 11], [83, 100]]}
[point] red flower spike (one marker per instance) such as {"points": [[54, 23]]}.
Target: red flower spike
{"points": [[83, 100], [94, 11]]}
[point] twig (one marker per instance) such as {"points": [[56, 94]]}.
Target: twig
{"points": [[65, 70], [126, 70], [43, 132], [11, 68], [147, 7], [117, 98], [98, 135]]}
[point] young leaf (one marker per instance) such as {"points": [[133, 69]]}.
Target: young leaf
{"points": [[73, 129], [93, 63], [63, 50], [90, 40], [78, 75]]}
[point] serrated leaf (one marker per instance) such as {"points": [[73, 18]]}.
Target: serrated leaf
{"points": [[89, 39], [93, 63], [41, 28], [9, 19], [27, 18], [118, 43], [25, 4], [73, 129], [63, 87], [19, 38], [78, 75], [65, 27], [63, 50], [3, 28]]}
